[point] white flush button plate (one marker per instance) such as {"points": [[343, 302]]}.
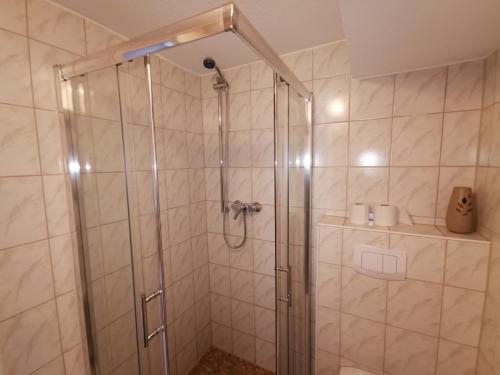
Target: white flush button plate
{"points": [[379, 262]]}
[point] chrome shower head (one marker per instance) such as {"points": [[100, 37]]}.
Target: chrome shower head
{"points": [[209, 63]]}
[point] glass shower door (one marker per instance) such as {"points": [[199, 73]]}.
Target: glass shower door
{"points": [[292, 193], [112, 167]]}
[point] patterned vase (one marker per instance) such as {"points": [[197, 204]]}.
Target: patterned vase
{"points": [[461, 214]]}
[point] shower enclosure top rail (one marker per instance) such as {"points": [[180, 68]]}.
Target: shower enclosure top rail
{"points": [[225, 18]]}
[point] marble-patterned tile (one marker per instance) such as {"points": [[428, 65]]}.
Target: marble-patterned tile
{"points": [[330, 245], [244, 346], [369, 142], [465, 86], [330, 60], [362, 341], [425, 256], [372, 98], [182, 261], [367, 185], [115, 245], [420, 92], [262, 224], [242, 285], [262, 108], [264, 257], [201, 282], [28, 280], [261, 75], [220, 280], [363, 296], [414, 189], [265, 355], [194, 115], [75, 361], [328, 330], [240, 111], [460, 138], [192, 85], [18, 141], [112, 196], [264, 286], [22, 215], [34, 331], [98, 38], [185, 329], [220, 309], [177, 187], [331, 102], [262, 148], [461, 316], [179, 224], [172, 76], [265, 324], [330, 144], [196, 185], [108, 145], [13, 16], [329, 285], [327, 364], [122, 337], [449, 177], [210, 115], [69, 324], [56, 367], [263, 185], [409, 353], [51, 136], [103, 94], [414, 305], [456, 359], [467, 264], [202, 311], [238, 78], [61, 253], [56, 26], [183, 295], [300, 63], [416, 140], [176, 154], [329, 188], [243, 317], [174, 109], [351, 237], [490, 70], [239, 153], [119, 292], [15, 73]]}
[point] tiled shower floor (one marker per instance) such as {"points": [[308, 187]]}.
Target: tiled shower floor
{"points": [[217, 362]]}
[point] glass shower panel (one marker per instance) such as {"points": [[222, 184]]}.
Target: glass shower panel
{"points": [[112, 167], [292, 150]]}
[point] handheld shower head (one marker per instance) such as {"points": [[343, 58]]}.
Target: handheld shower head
{"points": [[209, 63]]}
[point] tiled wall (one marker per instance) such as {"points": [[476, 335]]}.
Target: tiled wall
{"points": [[39, 325], [427, 324], [404, 139], [242, 280], [488, 193]]}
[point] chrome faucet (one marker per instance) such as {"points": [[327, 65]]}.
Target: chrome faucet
{"points": [[238, 207]]}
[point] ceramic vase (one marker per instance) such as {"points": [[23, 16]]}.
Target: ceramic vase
{"points": [[461, 214]]}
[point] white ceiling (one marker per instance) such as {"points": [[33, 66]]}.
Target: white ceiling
{"points": [[385, 36], [388, 36], [288, 25]]}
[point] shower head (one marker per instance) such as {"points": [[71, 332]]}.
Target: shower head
{"points": [[209, 63]]}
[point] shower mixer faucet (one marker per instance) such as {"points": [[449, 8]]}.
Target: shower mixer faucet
{"points": [[238, 207]]}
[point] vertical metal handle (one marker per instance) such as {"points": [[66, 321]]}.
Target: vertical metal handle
{"points": [[144, 315]]}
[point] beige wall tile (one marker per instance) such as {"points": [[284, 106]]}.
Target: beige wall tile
{"points": [[409, 353], [330, 60], [98, 38], [362, 341], [15, 72], [328, 286], [424, 256], [367, 185], [18, 141], [56, 204], [261, 75], [301, 64], [22, 216], [461, 319], [43, 21], [420, 92], [416, 140], [456, 359], [51, 138], [331, 142], [328, 330], [414, 305], [467, 264], [465, 86], [460, 138], [331, 102], [372, 98], [329, 188], [13, 16], [369, 142], [27, 278], [37, 332], [363, 296]]}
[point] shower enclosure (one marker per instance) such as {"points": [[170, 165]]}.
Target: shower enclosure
{"points": [[135, 218]]}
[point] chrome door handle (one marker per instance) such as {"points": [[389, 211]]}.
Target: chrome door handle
{"points": [[146, 336]]}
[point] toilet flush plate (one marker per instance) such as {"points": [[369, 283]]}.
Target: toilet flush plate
{"points": [[379, 262]]}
